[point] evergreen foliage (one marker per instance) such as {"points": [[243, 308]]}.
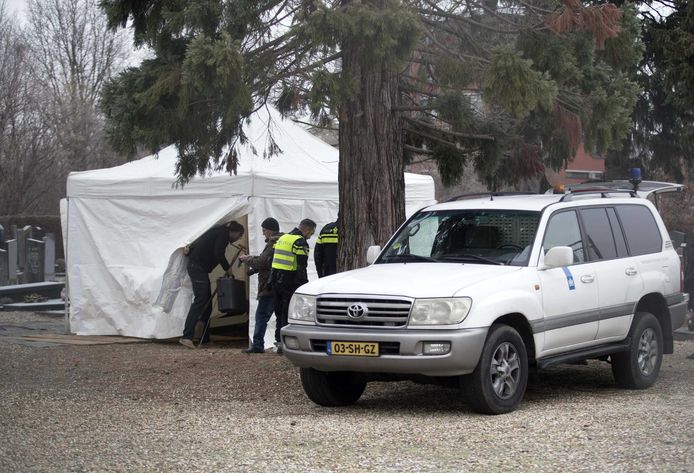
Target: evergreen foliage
{"points": [[509, 86], [662, 125]]}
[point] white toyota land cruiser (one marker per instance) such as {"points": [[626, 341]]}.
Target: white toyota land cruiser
{"points": [[479, 291]]}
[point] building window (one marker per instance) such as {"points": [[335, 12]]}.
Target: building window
{"points": [[587, 175]]}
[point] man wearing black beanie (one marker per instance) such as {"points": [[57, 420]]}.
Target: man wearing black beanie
{"points": [[261, 264]]}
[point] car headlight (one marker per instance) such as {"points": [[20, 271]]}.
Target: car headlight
{"points": [[302, 308], [440, 311]]}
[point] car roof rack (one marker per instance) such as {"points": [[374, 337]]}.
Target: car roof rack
{"points": [[603, 191], [491, 195]]}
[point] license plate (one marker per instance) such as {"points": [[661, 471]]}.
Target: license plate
{"points": [[353, 348]]}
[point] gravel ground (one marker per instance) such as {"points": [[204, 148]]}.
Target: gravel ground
{"points": [[162, 407]]}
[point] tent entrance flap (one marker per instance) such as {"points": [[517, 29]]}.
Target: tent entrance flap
{"points": [[175, 274]]}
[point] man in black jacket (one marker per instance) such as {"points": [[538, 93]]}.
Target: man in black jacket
{"points": [[203, 256]]}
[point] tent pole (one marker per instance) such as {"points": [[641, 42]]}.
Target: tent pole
{"points": [[67, 279]]}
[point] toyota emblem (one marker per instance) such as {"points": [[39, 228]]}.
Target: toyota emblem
{"points": [[357, 311]]}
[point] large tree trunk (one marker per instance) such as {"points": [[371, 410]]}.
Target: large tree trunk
{"points": [[371, 181]]}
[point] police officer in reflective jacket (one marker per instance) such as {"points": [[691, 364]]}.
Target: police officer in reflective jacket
{"points": [[326, 250], [289, 270]]}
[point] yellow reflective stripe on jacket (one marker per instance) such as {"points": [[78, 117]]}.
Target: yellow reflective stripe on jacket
{"points": [[286, 251], [328, 238], [299, 250]]}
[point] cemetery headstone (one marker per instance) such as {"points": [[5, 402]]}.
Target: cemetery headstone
{"points": [[23, 234], [49, 257], [35, 261], [12, 261], [4, 268]]}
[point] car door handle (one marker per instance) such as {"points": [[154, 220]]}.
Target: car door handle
{"points": [[587, 278], [631, 271]]}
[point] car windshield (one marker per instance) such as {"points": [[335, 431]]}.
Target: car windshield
{"points": [[502, 237]]}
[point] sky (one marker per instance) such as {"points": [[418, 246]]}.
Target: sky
{"points": [[15, 7]]}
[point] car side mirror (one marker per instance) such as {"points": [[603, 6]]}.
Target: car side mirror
{"points": [[558, 257], [372, 253]]}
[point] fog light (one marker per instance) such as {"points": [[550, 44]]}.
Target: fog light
{"points": [[292, 343], [436, 348]]}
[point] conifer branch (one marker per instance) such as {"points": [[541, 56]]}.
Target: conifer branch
{"points": [[433, 138], [450, 132], [417, 150]]}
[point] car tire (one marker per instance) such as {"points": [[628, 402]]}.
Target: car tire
{"points": [[498, 383], [638, 367], [331, 389]]}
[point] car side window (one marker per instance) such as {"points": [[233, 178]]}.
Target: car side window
{"points": [[599, 237], [617, 233], [563, 230], [640, 229]]}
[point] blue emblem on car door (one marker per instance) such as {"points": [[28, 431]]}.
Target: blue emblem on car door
{"points": [[569, 279]]}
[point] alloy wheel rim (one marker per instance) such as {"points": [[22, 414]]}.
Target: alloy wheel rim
{"points": [[647, 354], [505, 370]]}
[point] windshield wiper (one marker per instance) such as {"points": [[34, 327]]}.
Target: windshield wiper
{"points": [[468, 256], [411, 256]]}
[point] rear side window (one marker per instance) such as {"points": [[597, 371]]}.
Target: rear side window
{"points": [[599, 238], [640, 229]]}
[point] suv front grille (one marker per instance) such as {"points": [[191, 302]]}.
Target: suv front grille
{"points": [[377, 312]]}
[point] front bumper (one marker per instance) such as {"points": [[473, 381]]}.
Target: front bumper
{"points": [[406, 358]]}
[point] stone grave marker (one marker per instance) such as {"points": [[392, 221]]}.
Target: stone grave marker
{"points": [[23, 234], [35, 262], [49, 257], [4, 268], [12, 260]]}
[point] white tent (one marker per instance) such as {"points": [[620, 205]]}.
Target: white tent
{"points": [[125, 227]]}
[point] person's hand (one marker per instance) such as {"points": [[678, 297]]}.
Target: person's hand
{"points": [[244, 258]]}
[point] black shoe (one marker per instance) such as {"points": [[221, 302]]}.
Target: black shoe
{"points": [[250, 350]]}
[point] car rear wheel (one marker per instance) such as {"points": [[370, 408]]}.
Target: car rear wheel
{"points": [[498, 383], [638, 367], [331, 389]]}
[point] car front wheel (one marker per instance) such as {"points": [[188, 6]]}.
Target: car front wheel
{"points": [[638, 367], [498, 383], [331, 389]]}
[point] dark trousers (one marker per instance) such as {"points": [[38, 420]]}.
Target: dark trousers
{"points": [[282, 295], [201, 308], [262, 315]]}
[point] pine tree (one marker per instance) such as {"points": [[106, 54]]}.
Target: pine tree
{"points": [[662, 134], [509, 86]]}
